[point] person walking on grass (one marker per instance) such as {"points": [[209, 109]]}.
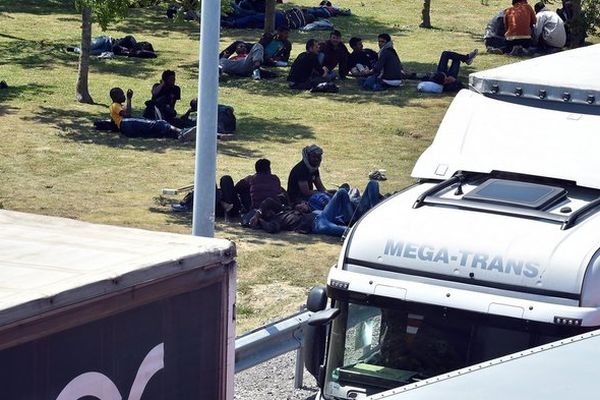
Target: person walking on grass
{"points": [[142, 128]]}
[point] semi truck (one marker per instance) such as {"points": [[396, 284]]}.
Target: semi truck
{"points": [[493, 250], [110, 313]]}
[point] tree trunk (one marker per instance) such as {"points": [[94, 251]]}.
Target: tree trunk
{"points": [[270, 16], [577, 25], [426, 23], [82, 93]]}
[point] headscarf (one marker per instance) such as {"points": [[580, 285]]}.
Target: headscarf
{"points": [[307, 151]]}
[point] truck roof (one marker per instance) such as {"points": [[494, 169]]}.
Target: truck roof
{"points": [[484, 134], [559, 370], [450, 244], [47, 262], [565, 77]]}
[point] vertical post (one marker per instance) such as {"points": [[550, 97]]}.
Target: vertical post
{"points": [[206, 128], [299, 374], [269, 16]]}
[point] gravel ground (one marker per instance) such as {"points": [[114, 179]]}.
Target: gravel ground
{"points": [[273, 380]]}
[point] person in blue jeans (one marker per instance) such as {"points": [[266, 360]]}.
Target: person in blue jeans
{"points": [[142, 128], [333, 220], [341, 211]]}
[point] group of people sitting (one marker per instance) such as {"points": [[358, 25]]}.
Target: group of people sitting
{"points": [[314, 68], [522, 30], [160, 118], [305, 207]]}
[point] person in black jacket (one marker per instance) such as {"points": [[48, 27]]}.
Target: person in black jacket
{"points": [[388, 70], [333, 53], [361, 60], [306, 71]]}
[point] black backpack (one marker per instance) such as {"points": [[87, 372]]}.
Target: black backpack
{"points": [[226, 122], [295, 18]]}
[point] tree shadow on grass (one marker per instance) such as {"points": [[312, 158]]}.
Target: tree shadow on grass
{"points": [[77, 126], [234, 231], [23, 92], [350, 91], [43, 54], [37, 7]]}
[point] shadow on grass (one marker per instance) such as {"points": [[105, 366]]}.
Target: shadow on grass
{"points": [[37, 7], [22, 92], [77, 126], [234, 231], [350, 91]]}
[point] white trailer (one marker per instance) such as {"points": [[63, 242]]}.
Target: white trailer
{"points": [[493, 250], [93, 311]]}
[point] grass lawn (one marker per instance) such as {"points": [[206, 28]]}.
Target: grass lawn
{"points": [[53, 162]]}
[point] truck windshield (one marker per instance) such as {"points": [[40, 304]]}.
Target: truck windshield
{"points": [[372, 349]]}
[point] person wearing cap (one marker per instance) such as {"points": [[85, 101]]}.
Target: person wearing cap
{"points": [[361, 60], [549, 32], [304, 178]]}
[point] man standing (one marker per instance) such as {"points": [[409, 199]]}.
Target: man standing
{"points": [[388, 71], [306, 71], [549, 32], [304, 178], [335, 54]]}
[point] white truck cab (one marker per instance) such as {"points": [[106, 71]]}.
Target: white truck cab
{"points": [[495, 248]]}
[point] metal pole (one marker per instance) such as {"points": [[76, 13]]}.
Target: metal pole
{"points": [[299, 374], [206, 129]]}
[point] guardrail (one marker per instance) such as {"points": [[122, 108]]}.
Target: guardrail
{"points": [[273, 340]]}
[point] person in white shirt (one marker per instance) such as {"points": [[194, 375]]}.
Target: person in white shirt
{"points": [[549, 30]]}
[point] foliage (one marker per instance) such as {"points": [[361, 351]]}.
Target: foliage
{"points": [[591, 15], [106, 11]]}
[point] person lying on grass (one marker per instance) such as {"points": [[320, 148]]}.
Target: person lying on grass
{"points": [[339, 213], [446, 79], [142, 128]]}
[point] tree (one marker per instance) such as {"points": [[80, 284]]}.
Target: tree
{"points": [[270, 16], [426, 21], [104, 12]]}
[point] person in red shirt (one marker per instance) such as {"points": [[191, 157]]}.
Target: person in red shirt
{"points": [[519, 21]]}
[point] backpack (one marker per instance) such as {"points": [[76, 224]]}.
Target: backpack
{"points": [[226, 121], [295, 18]]}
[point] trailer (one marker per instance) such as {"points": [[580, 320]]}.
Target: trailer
{"points": [[493, 250], [94, 311]]}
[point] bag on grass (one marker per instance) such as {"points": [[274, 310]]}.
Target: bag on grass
{"points": [[226, 121]]}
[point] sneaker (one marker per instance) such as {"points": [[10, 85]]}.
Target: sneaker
{"points": [[494, 50], [256, 74], [516, 51], [176, 207], [472, 56], [188, 135], [378, 175]]}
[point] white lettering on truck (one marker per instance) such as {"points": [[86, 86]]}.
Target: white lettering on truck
{"points": [[463, 258]]}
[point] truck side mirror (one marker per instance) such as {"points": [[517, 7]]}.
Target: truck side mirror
{"points": [[315, 334], [317, 298]]}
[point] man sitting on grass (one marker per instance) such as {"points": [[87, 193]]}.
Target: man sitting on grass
{"points": [[306, 71], [142, 128], [361, 60], [388, 71]]}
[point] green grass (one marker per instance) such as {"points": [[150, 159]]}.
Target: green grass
{"points": [[52, 161]]}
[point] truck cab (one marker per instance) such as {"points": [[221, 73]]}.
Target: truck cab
{"points": [[493, 250]]}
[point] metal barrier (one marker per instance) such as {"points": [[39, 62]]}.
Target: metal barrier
{"points": [[273, 340]]}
